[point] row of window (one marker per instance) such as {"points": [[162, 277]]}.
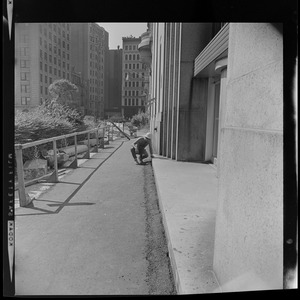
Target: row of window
{"points": [[63, 65], [131, 47], [132, 57], [56, 72], [134, 83], [48, 80], [56, 28], [133, 66], [134, 75], [49, 46], [132, 93], [55, 59], [64, 56], [133, 102]]}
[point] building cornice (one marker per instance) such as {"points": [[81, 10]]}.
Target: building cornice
{"points": [[216, 47]]}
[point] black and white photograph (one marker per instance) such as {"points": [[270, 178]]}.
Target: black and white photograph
{"points": [[148, 157]]}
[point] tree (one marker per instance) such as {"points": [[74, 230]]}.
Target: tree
{"points": [[62, 89]]}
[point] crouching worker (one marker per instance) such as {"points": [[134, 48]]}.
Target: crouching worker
{"points": [[138, 147]]}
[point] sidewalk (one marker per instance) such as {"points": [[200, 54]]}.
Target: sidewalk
{"points": [[188, 199]]}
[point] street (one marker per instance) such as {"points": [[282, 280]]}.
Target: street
{"points": [[107, 239]]}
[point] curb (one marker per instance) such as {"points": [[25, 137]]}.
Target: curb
{"points": [[169, 243]]}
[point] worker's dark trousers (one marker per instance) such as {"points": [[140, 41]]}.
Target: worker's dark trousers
{"points": [[143, 155]]}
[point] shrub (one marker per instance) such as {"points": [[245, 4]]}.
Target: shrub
{"points": [[140, 120]]}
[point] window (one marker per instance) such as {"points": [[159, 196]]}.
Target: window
{"points": [[41, 66], [25, 100], [41, 89], [126, 47], [64, 74], [129, 102], [46, 90], [24, 76], [54, 60], [41, 78], [126, 56], [130, 47], [129, 66], [50, 47], [46, 69], [133, 84], [125, 83], [133, 57], [54, 38], [129, 93], [24, 63], [24, 88], [125, 101], [46, 79], [50, 69], [126, 66], [50, 80], [129, 56], [136, 102], [45, 55], [24, 51], [50, 58], [25, 38], [55, 71], [59, 73], [138, 57], [133, 66]]}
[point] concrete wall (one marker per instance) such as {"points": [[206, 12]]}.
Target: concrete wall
{"points": [[248, 251]]}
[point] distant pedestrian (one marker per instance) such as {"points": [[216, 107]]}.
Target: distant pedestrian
{"points": [[138, 148]]}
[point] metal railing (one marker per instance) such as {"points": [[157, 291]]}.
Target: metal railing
{"points": [[53, 177]]}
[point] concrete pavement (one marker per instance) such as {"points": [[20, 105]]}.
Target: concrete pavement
{"points": [[188, 199], [85, 235]]}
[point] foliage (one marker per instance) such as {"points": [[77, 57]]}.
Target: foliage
{"points": [[61, 87], [46, 121], [140, 120]]}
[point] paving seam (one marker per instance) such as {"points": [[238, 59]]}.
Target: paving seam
{"points": [[82, 184]]}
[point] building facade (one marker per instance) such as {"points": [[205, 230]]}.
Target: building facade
{"points": [[216, 97], [42, 55], [133, 72], [113, 102], [89, 51]]}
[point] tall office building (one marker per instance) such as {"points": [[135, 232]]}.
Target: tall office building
{"points": [[89, 51], [113, 101], [133, 72], [42, 55]]}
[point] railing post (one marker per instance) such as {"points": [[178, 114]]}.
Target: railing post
{"points": [[97, 137], [74, 163], [89, 145], [54, 175], [23, 196]]}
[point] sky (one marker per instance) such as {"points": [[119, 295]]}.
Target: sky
{"points": [[118, 30]]}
